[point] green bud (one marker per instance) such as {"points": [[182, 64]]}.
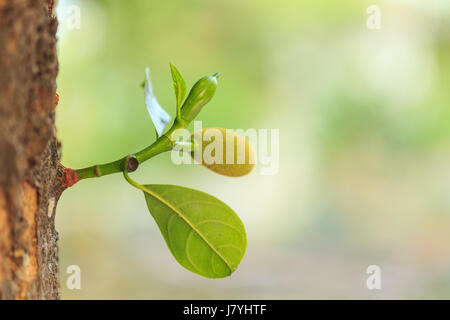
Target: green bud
{"points": [[223, 151], [200, 94]]}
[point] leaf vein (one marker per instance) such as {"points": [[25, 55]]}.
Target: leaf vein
{"points": [[181, 215]]}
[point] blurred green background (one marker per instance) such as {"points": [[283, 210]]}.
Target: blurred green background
{"points": [[364, 120]]}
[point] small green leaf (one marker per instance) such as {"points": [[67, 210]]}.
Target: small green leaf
{"points": [[204, 235], [179, 85]]}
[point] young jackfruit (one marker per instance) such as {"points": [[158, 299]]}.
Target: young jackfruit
{"points": [[223, 151]]}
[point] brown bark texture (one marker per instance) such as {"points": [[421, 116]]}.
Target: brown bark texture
{"points": [[29, 163]]}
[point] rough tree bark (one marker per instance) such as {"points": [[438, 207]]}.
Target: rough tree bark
{"points": [[29, 164]]}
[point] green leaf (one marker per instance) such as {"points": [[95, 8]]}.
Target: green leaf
{"points": [[204, 235], [179, 85]]}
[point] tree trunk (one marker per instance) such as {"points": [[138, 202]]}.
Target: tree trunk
{"points": [[29, 163]]}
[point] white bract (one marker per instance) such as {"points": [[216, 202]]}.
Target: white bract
{"points": [[159, 116]]}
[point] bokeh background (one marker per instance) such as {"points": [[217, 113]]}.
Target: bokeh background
{"points": [[364, 120]]}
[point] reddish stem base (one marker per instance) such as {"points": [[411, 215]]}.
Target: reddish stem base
{"points": [[66, 178]]}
